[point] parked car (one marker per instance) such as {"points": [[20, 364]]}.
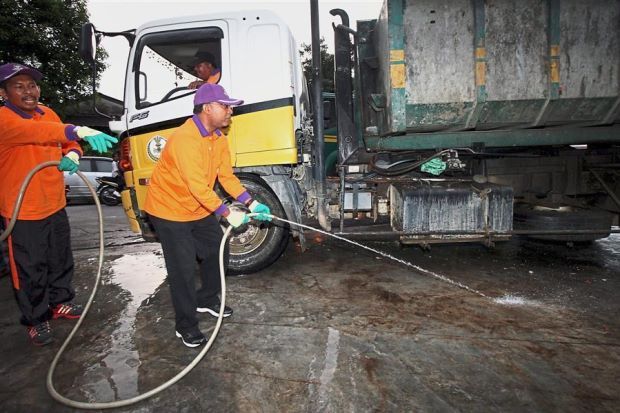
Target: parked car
{"points": [[92, 167]]}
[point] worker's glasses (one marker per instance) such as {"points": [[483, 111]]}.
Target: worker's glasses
{"points": [[223, 106]]}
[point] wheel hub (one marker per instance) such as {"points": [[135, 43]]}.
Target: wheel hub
{"points": [[248, 240]]}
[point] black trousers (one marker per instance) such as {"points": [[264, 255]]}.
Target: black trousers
{"points": [[184, 244], [41, 264]]}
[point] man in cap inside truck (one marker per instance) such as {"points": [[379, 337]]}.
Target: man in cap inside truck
{"points": [[39, 247], [205, 67]]}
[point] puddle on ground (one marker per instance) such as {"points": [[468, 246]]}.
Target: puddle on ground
{"points": [[611, 248], [116, 376]]}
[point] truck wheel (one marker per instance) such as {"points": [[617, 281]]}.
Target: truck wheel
{"points": [[535, 217], [260, 244]]}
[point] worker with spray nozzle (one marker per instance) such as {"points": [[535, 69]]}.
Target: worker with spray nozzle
{"points": [[183, 208], [40, 257]]}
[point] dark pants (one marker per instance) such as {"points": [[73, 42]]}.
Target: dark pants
{"points": [[184, 243], [4, 254], [41, 264]]}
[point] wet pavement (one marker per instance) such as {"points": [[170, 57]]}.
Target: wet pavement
{"points": [[338, 329]]}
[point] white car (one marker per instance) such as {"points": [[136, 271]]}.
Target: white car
{"points": [[92, 167]]}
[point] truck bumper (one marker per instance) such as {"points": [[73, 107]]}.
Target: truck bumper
{"points": [[129, 211]]}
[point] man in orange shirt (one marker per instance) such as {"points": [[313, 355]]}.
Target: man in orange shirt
{"points": [[206, 69], [40, 258], [183, 206]]}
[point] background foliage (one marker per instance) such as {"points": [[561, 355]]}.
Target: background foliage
{"points": [[327, 65], [45, 34]]}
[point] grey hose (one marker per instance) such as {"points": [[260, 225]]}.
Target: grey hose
{"points": [[119, 403]]}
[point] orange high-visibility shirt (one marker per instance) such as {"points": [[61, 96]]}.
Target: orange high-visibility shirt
{"points": [[25, 142], [181, 187], [214, 78]]}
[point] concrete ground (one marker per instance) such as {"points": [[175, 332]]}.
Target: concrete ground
{"points": [[338, 329]]}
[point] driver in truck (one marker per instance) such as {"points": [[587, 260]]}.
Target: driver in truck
{"points": [[206, 69], [183, 208]]}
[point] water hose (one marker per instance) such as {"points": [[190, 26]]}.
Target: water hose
{"points": [[50, 374], [121, 403]]}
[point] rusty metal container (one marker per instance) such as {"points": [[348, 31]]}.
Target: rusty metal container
{"points": [[476, 65], [461, 208]]}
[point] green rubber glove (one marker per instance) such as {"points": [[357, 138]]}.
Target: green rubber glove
{"points": [[70, 163], [98, 140], [262, 210], [434, 167], [237, 218]]}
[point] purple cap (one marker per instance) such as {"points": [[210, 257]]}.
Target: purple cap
{"points": [[9, 70], [211, 92]]}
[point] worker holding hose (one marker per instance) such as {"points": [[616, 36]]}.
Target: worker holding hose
{"points": [[183, 208], [40, 257]]}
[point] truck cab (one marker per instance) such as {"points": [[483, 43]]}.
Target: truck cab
{"points": [[258, 59]]}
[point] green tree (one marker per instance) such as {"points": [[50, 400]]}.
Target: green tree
{"points": [[327, 65], [45, 34]]}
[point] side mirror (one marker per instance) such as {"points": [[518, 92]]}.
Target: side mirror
{"points": [[88, 43], [88, 49]]}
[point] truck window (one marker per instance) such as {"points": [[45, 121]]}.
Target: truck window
{"points": [[165, 63]]}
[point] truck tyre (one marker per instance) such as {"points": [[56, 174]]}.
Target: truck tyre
{"points": [[539, 218], [258, 244]]}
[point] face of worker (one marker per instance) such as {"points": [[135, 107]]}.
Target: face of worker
{"points": [[203, 70], [23, 92], [219, 114]]}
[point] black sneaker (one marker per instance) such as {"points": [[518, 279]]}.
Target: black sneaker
{"points": [[192, 339], [214, 310], [41, 334]]}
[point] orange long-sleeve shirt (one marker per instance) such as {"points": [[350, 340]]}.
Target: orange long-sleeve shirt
{"points": [[25, 142], [181, 187]]}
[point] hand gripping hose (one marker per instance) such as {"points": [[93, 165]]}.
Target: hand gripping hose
{"points": [[118, 403]]}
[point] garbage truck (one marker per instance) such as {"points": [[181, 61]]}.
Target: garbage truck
{"points": [[457, 121]]}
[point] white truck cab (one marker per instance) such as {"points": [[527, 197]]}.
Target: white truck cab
{"points": [[259, 63]]}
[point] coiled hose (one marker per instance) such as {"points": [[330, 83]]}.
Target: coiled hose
{"points": [[50, 374], [121, 403]]}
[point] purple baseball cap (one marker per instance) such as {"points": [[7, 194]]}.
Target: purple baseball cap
{"points": [[211, 92], [9, 70]]}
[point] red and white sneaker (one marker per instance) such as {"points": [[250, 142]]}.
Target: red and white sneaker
{"points": [[67, 310], [41, 334]]}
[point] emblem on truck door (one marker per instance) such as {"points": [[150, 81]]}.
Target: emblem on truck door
{"points": [[155, 146], [139, 116]]}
